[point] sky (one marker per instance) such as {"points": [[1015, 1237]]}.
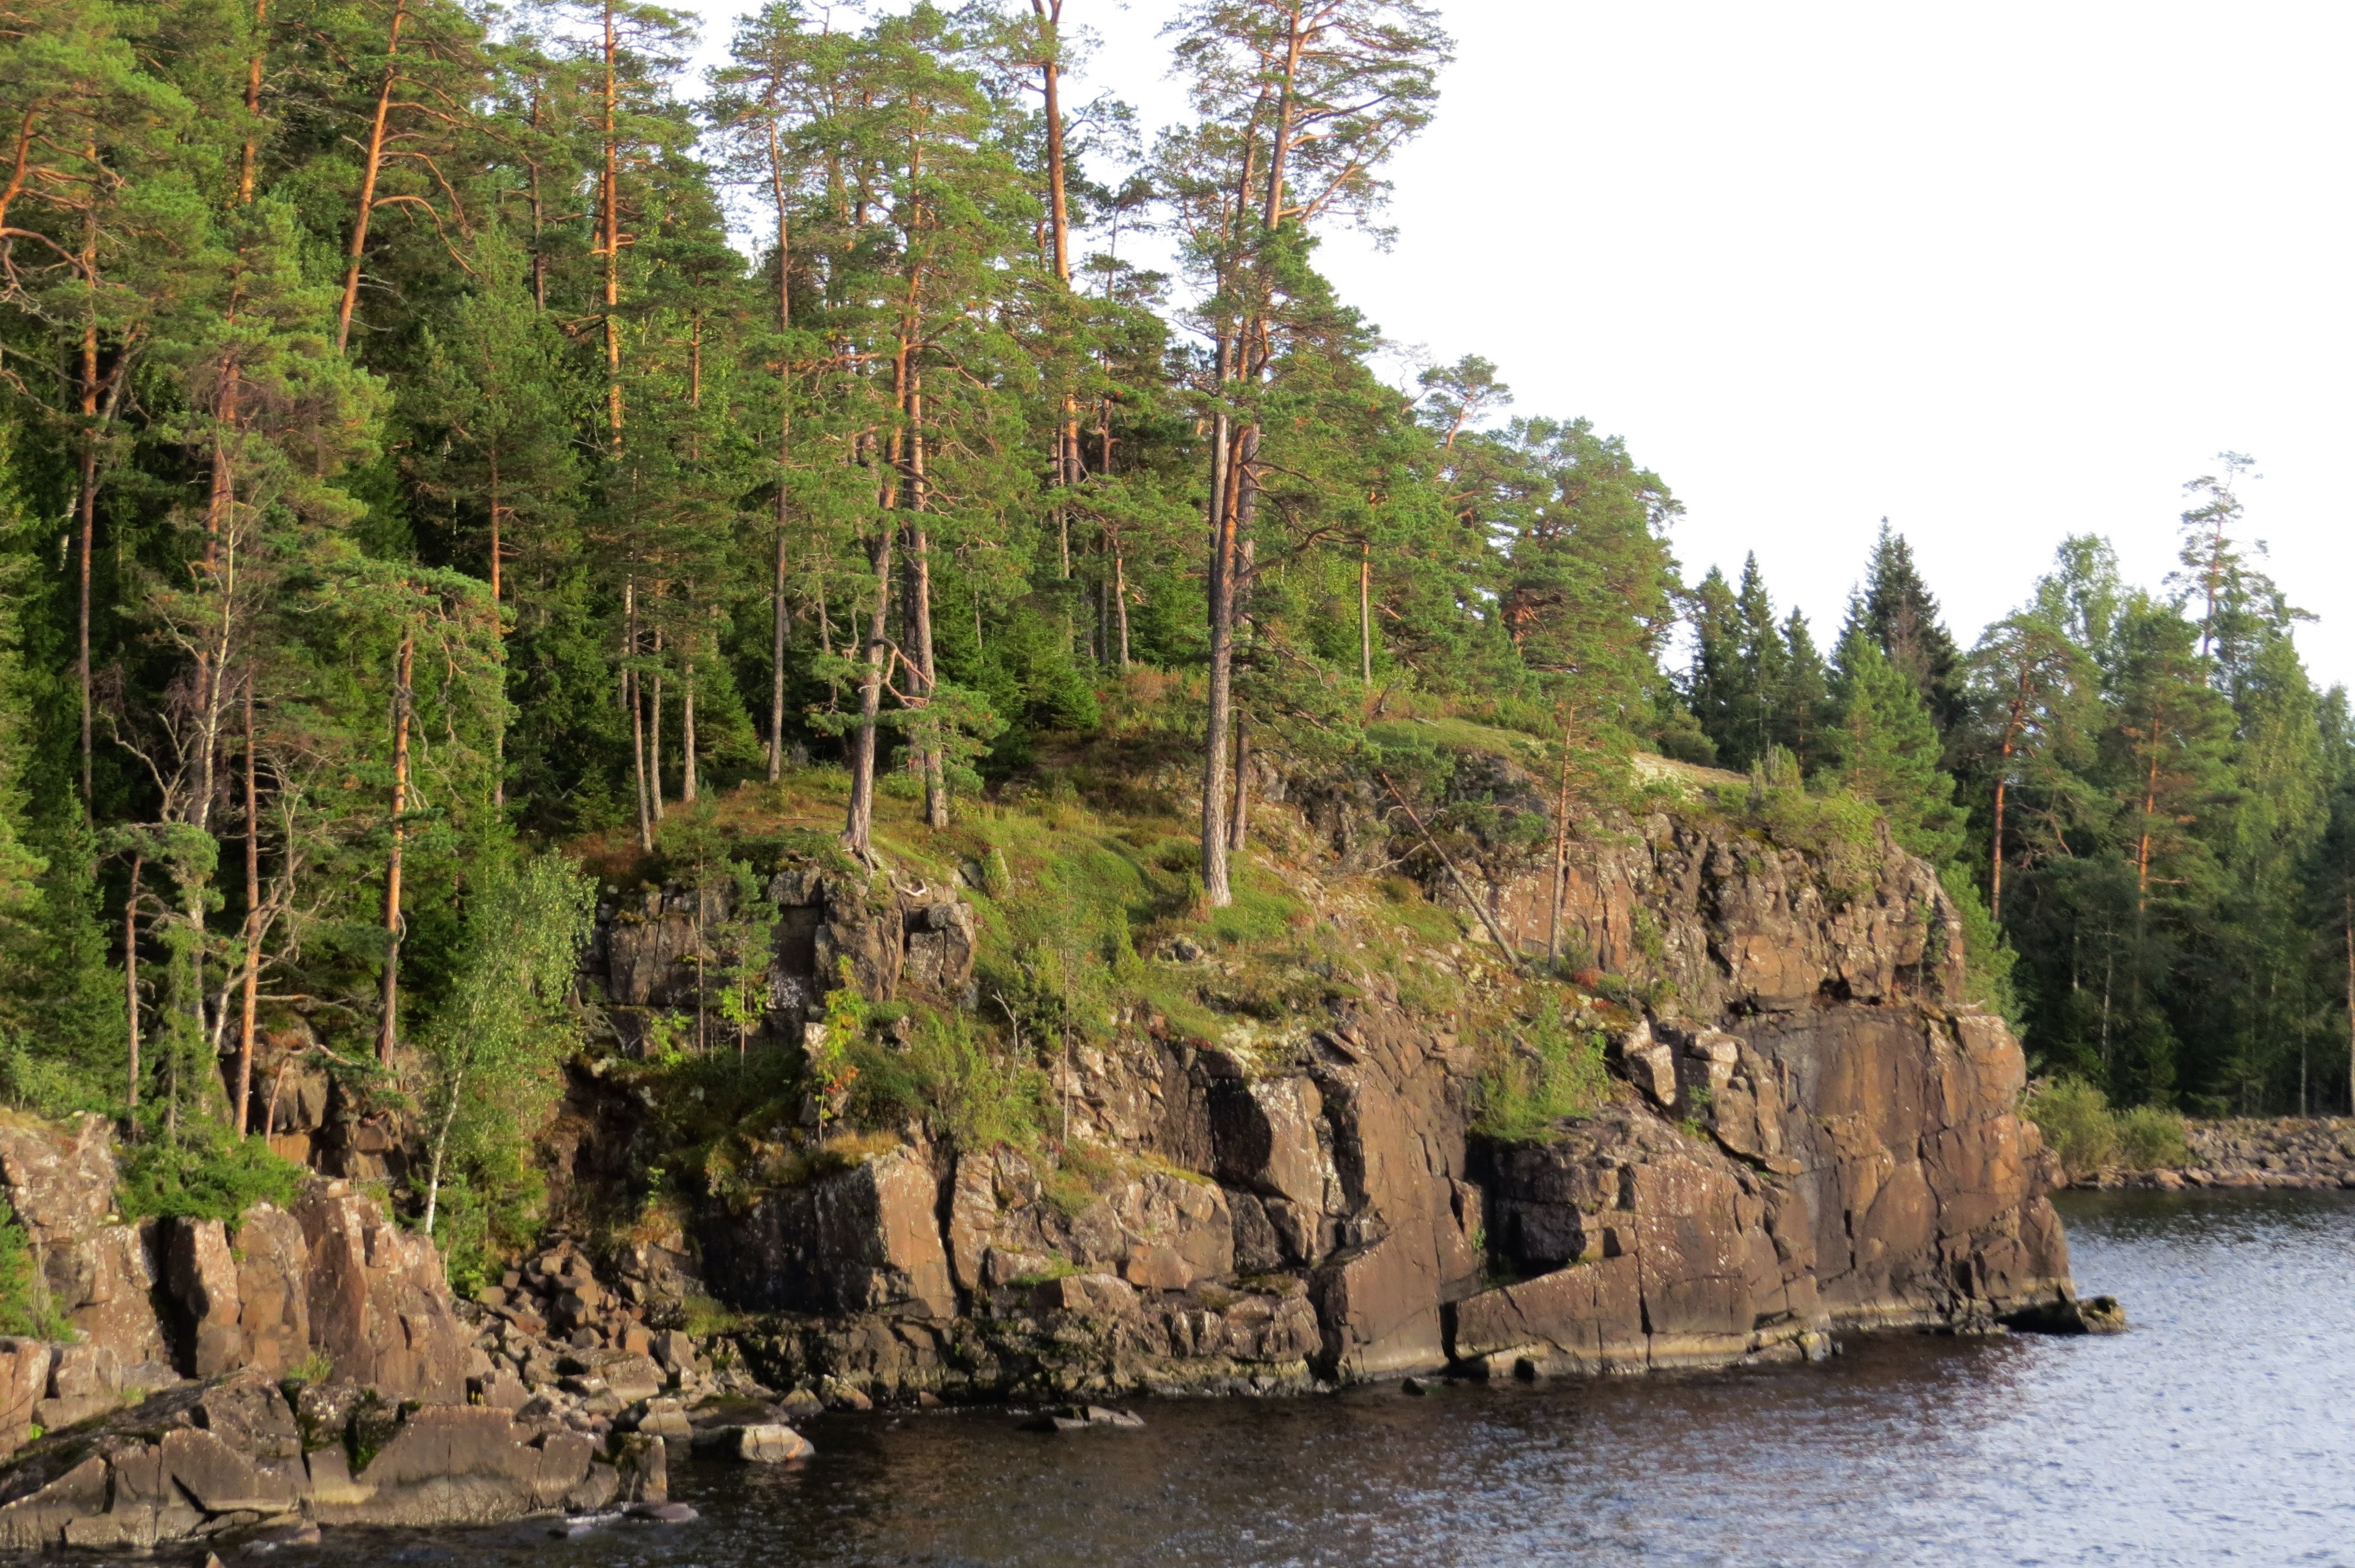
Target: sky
{"points": [[1999, 272]]}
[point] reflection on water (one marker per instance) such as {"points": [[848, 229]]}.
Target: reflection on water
{"points": [[2222, 1430]]}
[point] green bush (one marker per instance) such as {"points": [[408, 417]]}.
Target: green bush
{"points": [[954, 1080], [2151, 1138], [2089, 1136], [26, 1307], [207, 1175], [2077, 1124], [1551, 1076]]}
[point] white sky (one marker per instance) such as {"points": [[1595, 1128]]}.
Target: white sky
{"points": [[2000, 272]]}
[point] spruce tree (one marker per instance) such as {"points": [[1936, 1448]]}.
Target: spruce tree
{"points": [[1885, 750]]}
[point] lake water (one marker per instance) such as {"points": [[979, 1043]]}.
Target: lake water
{"points": [[2220, 1430]]}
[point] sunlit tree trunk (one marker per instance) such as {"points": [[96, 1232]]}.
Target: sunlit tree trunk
{"points": [[252, 974], [371, 165], [388, 1019]]}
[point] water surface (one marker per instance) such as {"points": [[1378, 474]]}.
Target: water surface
{"points": [[2222, 1430]]}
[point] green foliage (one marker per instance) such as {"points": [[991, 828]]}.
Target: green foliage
{"points": [[206, 1176], [2089, 1136], [1549, 1074], [2075, 1119], [1885, 750], [1987, 955], [496, 1039], [2151, 1138], [26, 1305], [963, 1087]]}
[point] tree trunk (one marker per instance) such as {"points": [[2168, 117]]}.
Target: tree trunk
{"points": [[499, 633], [539, 250], [654, 734], [859, 830], [1239, 590], [687, 736], [441, 1146], [1366, 613], [86, 509], [637, 720], [919, 606], [777, 658], [388, 1020], [1120, 600], [1239, 817], [131, 989], [371, 164], [610, 220], [1560, 856], [784, 454], [1218, 715], [252, 104], [252, 922], [1995, 868]]}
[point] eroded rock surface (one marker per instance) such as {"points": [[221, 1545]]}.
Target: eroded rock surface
{"points": [[1809, 1131]]}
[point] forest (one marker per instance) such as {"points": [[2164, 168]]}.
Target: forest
{"points": [[438, 437]]}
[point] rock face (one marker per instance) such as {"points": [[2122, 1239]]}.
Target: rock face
{"points": [[394, 1437], [378, 1305], [909, 934], [152, 1303], [1808, 1131], [233, 1454], [865, 1240]]}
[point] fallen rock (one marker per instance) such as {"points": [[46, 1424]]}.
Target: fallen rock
{"points": [[666, 1513], [1082, 1418], [768, 1442]]}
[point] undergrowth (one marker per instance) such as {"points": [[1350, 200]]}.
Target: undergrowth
{"points": [[2088, 1136], [205, 1175], [1553, 1073]]}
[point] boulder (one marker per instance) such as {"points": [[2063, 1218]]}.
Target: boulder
{"points": [[767, 1442]]}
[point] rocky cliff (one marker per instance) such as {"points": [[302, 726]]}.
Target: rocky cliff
{"points": [[258, 1379], [1278, 1160], [1807, 1130]]}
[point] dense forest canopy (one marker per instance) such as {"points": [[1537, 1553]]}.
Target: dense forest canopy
{"points": [[405, 474]]}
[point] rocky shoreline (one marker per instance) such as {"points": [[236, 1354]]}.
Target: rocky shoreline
{"points": [[2286, 1153]]}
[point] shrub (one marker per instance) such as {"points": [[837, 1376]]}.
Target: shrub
{"points": [[2151, 1136], [1551, 1076], [957, 1082], [2076, 1121], [26, 1307], [207, 1176]]}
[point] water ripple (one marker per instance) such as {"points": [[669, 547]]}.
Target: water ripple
{"points": [[2220, 1431]]}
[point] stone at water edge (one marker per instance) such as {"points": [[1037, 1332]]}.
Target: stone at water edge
{"points": [[1082, 1418], [768, 1443], [665, 1513], [1413, 1385], [301, 1533], [2102, 1315]]}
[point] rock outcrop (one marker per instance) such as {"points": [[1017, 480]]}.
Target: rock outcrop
{"points": [[1810, 1131], [221, 1318], [234, 1457], [905, 933]]}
